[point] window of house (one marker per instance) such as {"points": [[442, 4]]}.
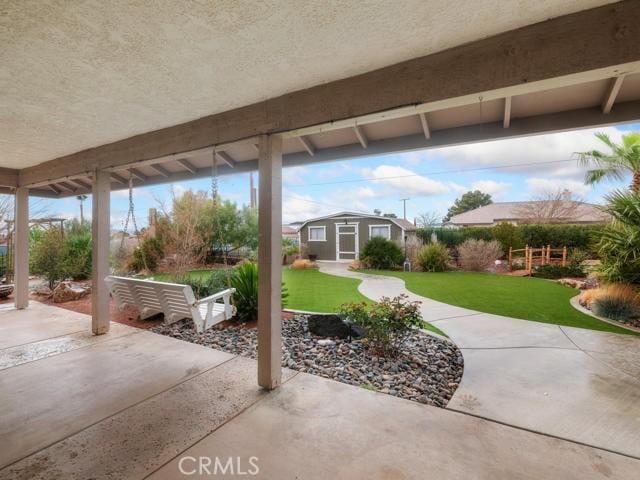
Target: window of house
{"points": [[317, 234], [383, 231]]}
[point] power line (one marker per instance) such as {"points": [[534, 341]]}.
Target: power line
{"points": [[441, 172]]}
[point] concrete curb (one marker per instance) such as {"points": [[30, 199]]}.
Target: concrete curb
{"points": [[576, 304]]}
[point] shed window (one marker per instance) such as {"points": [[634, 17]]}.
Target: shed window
{"points": [[317, 234], [383, 231]]}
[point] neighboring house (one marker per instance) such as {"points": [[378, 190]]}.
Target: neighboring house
{"points": [[290, 233], [542, 211], [342, 236]]}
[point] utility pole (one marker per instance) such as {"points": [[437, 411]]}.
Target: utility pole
{"points": [[82, 198], [404, 206], [253, 197]]}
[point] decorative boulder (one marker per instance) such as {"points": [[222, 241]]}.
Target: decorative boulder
{"points": [[332, 326], [66, 292]]}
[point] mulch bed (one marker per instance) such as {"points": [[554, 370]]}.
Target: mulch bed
{"points": [[427, 371]]}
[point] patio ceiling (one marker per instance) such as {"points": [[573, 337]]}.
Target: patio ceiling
{"points": [[70, 89], [611, 99]]}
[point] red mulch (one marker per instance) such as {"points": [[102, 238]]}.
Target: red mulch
{"points": [[128, 316]]}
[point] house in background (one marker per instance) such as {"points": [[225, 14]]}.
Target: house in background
{"points": [[565, 211], [341, 236]]}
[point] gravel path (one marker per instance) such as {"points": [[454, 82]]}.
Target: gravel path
{"points": [[428, 371]]}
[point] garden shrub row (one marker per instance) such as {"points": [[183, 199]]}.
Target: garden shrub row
{"points": [[571, 236]]}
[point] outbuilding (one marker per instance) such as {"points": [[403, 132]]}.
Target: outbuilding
{"points": [[342, 236]]}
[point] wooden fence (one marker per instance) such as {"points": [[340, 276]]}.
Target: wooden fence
{"points": [[539, 256]]}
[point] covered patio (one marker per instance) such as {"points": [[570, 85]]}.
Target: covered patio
{"points": [[82, 396], [133, 404]]}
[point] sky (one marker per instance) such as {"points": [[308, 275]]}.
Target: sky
{"points": [[510, 170]]}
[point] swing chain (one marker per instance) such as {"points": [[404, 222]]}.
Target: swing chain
{"points": [[131, 215]]}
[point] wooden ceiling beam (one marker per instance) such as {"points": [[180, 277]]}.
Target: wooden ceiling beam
{"points": [[612, 92]]}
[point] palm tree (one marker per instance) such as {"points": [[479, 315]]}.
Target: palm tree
{"points": [[619, 161]]}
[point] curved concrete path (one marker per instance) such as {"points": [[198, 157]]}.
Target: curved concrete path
{"points": [[576, 384]]}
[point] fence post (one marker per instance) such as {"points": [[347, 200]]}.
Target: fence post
{"points": [[526, 257], [564, 256], [510, 257], [548, 253]]}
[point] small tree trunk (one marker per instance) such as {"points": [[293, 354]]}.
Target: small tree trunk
{"points": [[635, 183]]}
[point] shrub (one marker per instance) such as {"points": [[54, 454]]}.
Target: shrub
{"points": [[382, 254], [478, 255], [47, 257], [245, 281], [388, 323], [571, 236], [508, 235], [433, 257], [619, 243], [553, 271], [303, 264], [205, 285], [617, 301], [147, 254], [77, 255]]}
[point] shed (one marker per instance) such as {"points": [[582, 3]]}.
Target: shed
{"points": [[341, 236]]}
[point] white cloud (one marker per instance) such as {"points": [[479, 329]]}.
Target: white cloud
{"points": [[540, 187], [535, 150], [401, 181], [296, 207], [295, 175], [457, 188], [493, 188]]}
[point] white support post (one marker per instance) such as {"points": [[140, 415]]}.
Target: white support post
{"points": [[100, 230], [270, 261], [21, 248]]}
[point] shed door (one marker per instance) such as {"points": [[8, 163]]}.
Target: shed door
{"points": [[346, 242]]}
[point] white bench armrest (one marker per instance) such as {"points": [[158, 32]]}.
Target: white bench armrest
{"points": [[212, 298]]}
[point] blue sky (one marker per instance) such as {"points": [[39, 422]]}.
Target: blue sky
{"points": [[510, 170]]}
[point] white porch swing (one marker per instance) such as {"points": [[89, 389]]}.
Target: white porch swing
{"points": [[175, 301]]}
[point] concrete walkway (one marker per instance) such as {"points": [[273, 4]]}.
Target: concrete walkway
{"points": [[132, 404], [571, 383]]}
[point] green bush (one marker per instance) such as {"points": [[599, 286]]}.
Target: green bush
{"points": [[571, 236], [558, 271], [619, 243], [245, 280], [615, 308], [205, 285], [433, 257], [508, 235], [76, 262], [388, 323], [47, 256], [382, 254], [147, 255]]}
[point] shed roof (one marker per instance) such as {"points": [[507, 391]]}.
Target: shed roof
{"points": [[406, 225]]}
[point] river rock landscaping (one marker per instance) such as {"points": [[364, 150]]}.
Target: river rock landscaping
{"points": [[428, 370]]}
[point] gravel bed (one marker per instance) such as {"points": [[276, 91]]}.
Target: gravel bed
{"points": [[428, 371]]}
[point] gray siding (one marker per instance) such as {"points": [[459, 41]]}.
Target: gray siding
{"points": [[327, 250]]}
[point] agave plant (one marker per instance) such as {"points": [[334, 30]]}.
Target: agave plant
{"points": [[619, 161], [619, 243], [245, 281]]}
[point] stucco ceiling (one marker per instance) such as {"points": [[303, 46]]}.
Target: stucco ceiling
{"points": [[75, 75]]}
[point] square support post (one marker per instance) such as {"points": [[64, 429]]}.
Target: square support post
{"points": [[270, 261], [21, 248], [100, 232]]}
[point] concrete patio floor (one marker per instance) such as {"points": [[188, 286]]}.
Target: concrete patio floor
{"points": [[571, 383], [131, 404]]}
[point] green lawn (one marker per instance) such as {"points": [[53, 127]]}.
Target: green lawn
{"points": [[519, 297], [313, 291], [308, 290]]}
